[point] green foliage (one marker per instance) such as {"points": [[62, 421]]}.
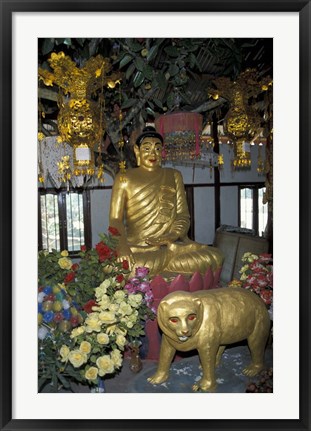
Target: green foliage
{"points": [[49, 269], [52, 374]]}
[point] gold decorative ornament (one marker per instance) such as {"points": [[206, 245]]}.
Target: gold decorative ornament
{"points": [[242, 122], [80, 118], [207, 321], [149, 208]]}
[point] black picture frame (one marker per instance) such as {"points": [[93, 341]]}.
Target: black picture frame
{"points": [[7, 9]]}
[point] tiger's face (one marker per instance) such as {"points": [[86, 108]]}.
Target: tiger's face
{"points": [[181, 319]]}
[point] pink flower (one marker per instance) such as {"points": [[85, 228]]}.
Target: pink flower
{"points": [[265, 257], [141, 271], [144, 286]]}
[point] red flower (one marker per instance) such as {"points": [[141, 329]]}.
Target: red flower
{"points": [[88, 306], [74, 320], [58, 317], [119, 278], [104, 252], [83, 248], [69, 277], [125, 264], [75, 266], [266, 295], [113, 230]]}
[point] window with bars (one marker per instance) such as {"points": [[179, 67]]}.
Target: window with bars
{"points": [[253, 212], [64, 220]]}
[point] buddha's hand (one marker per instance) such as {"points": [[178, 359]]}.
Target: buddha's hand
{"points": [[165, 239], [125, 253]]}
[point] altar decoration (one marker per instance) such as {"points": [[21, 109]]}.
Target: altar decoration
{"points": [[257, 275], [242, 122], [80, 119], [86, 315]]}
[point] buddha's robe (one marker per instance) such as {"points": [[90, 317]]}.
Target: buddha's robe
{"points": [[154, 204]]}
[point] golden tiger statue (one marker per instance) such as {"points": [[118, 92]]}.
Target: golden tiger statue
{"points": [[207, 321]]}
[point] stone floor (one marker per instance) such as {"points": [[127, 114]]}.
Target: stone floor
{"points": [[184, 372]]}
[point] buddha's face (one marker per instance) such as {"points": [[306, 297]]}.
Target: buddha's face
{"points": [[149, 154]]}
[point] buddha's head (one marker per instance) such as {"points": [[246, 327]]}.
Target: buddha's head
{"points": [[148, 149]]}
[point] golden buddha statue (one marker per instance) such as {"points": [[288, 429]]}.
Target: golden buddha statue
{"points": [[150, 211]]}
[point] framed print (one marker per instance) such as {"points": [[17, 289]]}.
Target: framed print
{"points": [[23, 25]]}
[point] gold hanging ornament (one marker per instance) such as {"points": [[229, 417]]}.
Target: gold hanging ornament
{"points": [[80, 119], [242, 122]]}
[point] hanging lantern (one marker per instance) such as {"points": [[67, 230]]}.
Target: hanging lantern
{"points": [[80, 119], [182, 135], [242, 123], [79, 125]]}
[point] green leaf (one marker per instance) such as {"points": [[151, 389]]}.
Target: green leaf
{"points": [[138, 79], [150, 111], [67, 41], [128, 103], [148, 72], [194, 62], [54, 379], [63, 381], [134, 46], [162, 82], [139, 63], [158, 103], [80, 40], [41, 382], [47, 46], [59, 41], [129, 71], [125, 60], [152, 52], [171, 51], [173, 69], [170, 100], [151, 104]]}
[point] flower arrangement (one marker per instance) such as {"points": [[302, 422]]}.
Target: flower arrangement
{"points": [[86, 315], [257, 275], [114, 318]]}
